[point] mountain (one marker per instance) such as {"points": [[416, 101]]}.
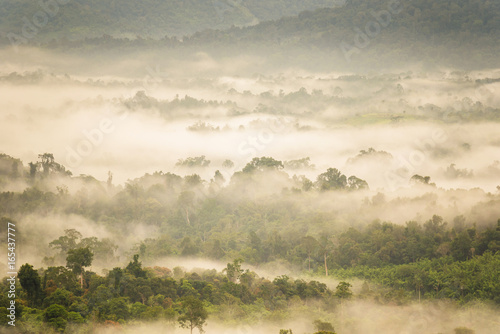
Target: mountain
{"points": [[463, 33], [75, 19], [436, 28]]}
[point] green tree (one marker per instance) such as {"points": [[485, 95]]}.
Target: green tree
{"points": [[67, 241], [228, 164], [354, 183], [30, 282], [57, 316], [343, 290], [461, 246], [77, 259], [134, 267], [193, 314], [262, 164], [189, 247], [332, 179], [323, 326], [309, 244], [233, 270]]}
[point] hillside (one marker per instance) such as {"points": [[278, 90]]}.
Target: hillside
{"points": [[152, 18], [442, 30], [358, 35]]}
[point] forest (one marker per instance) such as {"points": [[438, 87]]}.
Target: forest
{"points": [[396, 263], [250, 166], [355, 34], [79, 19]]}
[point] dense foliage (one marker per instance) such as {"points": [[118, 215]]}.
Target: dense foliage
{"points": [[372, 32], [195, 218], [153, 18]]}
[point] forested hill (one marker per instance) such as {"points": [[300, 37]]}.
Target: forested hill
{"points": [[395, 26], [462, 33], [402, 20], [149, 18]]}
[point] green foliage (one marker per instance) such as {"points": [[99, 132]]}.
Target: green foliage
{"points": [[61, 297], [262, 164], [89, 18], [79, 258], [332, 179], [233, 270], [30, 282], [322, 326], [134, 267], [75, 317], [343, 290], [114, 309], [57, 316], [193, 314], [439, 278], [200, 161]]}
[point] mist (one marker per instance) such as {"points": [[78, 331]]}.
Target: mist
{"points": [[258, 176]]}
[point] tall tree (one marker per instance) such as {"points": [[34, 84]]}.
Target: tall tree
{"points": [[332, 179], [30, 282], [309, 244], [77, 259], [193, 314], [135, 267]]}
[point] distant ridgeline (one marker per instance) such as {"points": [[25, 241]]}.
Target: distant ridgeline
{"points": [[152, 18], [448, 32]]}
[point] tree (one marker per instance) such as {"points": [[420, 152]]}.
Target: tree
{"points": [[189, 247], [343, 290], [309, 244], [461, 246], [233, 270], [200, 161], [57, 316], [33, 169], [30, 282], [323, 326], [325, 246], [77, 259], [332, 179], [354, 183], [47, 162], [262, 164], [135, 267], [193, 314], [228, 164], [219, 178], [67, 241], [418, 179]]}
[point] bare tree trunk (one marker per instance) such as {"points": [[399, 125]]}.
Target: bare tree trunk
{"points": [[187, 217], [81, 279], [326, 266]]}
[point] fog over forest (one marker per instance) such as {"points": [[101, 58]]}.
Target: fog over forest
{"points": [[250, 167]]}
